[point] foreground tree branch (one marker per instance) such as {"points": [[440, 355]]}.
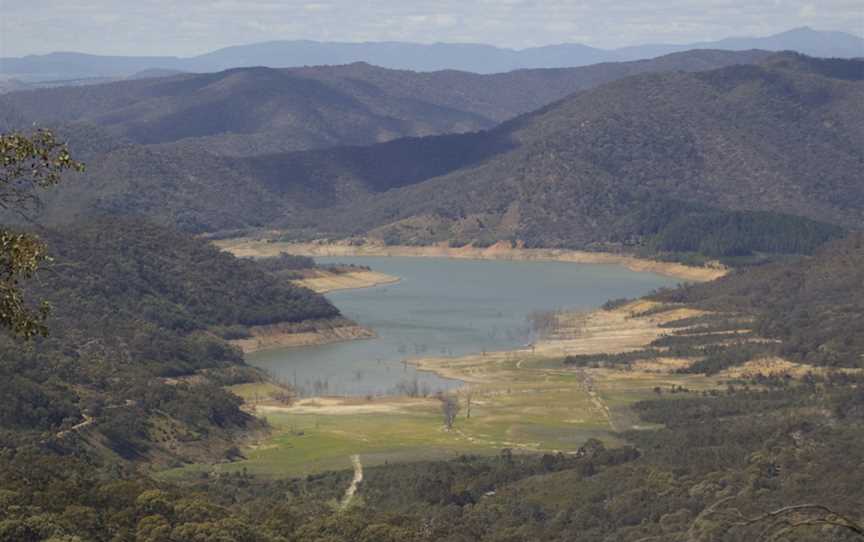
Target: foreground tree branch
{"points": [[790, 518], [27, 164]]}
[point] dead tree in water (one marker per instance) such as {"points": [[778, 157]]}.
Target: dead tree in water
{"points": [[469, 394], [449, 408]]}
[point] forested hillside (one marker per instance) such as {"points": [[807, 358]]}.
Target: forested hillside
{"points": [[259, 113], [502, 96], [249, 111], [134, 361], [675, 162], [620, 163], [812, 306], [243, 111]]}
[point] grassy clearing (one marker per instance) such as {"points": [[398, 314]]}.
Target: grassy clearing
{"points": [[537, 408], [307, 443]]}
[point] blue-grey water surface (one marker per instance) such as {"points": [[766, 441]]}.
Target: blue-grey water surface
{"points": [[443, 307]]}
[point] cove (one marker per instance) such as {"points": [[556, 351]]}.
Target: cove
{"points": [[443, 307]]}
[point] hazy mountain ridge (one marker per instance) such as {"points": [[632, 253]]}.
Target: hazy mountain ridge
{"points": [[805, 40], [476, 58], [259, 110], [276, 109], [503, 96]]}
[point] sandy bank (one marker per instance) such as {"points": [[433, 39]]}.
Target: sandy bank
{"points": [[500, 251], [323, 281], [596, 332], [351, 405], [306, 334]]}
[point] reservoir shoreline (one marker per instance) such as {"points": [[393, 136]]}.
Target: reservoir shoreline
{"points": [[292, 335], [247, 247], [450, 307]]}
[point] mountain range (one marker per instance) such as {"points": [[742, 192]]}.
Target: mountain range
{"points": [[633, 161], [249, 111], [629, 158], [475, 58]]}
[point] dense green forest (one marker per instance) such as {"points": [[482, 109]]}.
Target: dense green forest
{"points": [[629, 165], [168, 278]]}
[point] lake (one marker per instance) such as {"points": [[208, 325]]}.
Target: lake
{"points": [[443, 307]]}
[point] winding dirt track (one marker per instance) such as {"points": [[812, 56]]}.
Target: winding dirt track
{"points": [[352, 489]]}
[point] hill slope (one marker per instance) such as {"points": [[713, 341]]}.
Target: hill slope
{"points": [[134, 362], [256, 110], [630, 163], [242, 111], [180, 182], [613, 164], [809, 306], [502, 96]]}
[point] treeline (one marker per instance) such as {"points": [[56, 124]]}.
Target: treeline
{"points": [[718, 234], [290, 267], [646, 224], [694, 233], [285, 262]]}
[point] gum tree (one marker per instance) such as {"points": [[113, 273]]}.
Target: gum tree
{"points": [[28, 165]]}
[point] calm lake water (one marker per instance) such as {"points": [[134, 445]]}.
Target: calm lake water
{"points": [[443, 307]]}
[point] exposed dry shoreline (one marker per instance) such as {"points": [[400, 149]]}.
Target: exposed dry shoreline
{"points": [[595, 332], [623, 329], [308, 334], [246, 247], [323, 281]]}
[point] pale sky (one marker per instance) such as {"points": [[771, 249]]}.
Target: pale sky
{"points": [[190, 27]]}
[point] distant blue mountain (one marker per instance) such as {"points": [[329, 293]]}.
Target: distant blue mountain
{"points": [[476, 58], [803, 40]]}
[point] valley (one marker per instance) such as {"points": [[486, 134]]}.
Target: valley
{"points": [[609, 296]]}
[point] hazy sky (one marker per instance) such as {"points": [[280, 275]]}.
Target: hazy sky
{"points": [[188, 27]]}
